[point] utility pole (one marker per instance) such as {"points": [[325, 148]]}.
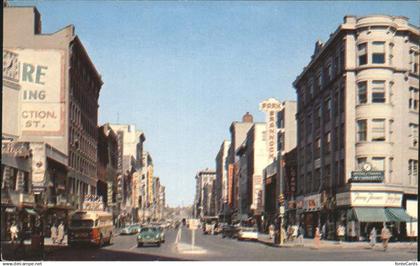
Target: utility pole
{"points": [[281, 198]]}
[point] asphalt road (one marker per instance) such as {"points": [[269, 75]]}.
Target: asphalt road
{"points": [[125, 248]]}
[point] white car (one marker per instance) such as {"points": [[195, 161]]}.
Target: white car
{"points": [[249, 233]]}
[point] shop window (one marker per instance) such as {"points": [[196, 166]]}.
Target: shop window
{"points": [[378, 52], [362, 92], [378, 91], [362, 53], [378, 129]]}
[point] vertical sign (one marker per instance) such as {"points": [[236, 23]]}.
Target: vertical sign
{"points": [[42, 93], [38, 166], [271, 107]]}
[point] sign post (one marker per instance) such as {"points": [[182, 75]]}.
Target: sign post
{"points": [[193, 224]]}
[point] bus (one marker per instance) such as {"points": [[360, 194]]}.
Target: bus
{"points": [[90, 227]]}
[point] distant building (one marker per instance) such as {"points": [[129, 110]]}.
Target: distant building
{"points": [[221, 186], [203, 196]]}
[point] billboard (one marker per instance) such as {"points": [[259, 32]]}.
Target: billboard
{"points": [[271, 107], [41, 77]]}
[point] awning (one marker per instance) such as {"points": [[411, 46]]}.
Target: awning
{"points": [[31, 211], [399, 215], [370, 215]]}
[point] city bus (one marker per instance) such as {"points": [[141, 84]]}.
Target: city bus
{"points": [[90, 227]]}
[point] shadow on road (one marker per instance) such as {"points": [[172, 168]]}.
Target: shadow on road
{"points": [[64, 253]]}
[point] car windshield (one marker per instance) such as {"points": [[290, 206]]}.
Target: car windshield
{"points": [[81, 223], [148, 230]]}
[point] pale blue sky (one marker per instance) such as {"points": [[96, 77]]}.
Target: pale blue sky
{"points": [[183, 71]]}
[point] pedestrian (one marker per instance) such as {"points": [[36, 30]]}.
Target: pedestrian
{"points": [[385, 236], [301, 233], [60, 235], [340, 233], [372, 237], [283, 235], [271, 231], [317, 238], [324, 231], [54, 233], [294, 232], [14, 230]]}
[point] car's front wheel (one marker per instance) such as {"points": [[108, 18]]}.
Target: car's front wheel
{"points": [[139, 245], [158, 244]]}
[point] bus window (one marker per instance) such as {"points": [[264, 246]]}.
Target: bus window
{"points": [[81, 223]]}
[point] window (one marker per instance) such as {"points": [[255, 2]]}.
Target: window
{"points": [[280, 119], [327, 109], [378, 163], [361, 130], [414, 61], [280, 141], [390, 168], [327, 142], [378, 130], [413, 135], [362, 92], [360, 162], [378, 91], [413, 102], [412, 171], [362, 51], [318, 117], [329, 71], [391, 53], [378, 52]]}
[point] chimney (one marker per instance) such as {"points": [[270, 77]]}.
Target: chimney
{"points": [[247, 118]]}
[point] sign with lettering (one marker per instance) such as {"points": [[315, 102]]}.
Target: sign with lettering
{"points": [[42, 91], [271, 107], [18, 149], [38, 165], [369, 199], [366, 177], [312, 203]]}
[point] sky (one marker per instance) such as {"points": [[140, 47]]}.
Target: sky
{"points": [[182, 71]]}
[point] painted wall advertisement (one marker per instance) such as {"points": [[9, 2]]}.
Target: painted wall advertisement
{"points": [[42, 91], [271, 107]]}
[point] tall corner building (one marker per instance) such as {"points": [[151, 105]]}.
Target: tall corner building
{"points": [[357, 118]]}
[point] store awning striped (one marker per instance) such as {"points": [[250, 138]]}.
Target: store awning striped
{"points": [[399, 215], [373, 215]]}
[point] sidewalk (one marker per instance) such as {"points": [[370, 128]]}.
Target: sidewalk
{"points": [[309, 243], [15, 251]]}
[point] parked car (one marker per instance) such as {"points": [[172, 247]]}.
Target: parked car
{"points": [[150, 235], [130, 230], [247, 233]]}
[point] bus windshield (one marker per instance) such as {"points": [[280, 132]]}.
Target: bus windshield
{"points": [[81, 223]]}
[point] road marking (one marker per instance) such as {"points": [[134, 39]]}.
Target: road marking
{"points": [[133, 247]]}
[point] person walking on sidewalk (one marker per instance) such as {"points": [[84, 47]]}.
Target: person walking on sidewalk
{"points": [[317, 238], [14, 232], [372, 237], [271, 231], [385, 235], [301, 233], [340, 233], [60, 236], [324, 231], [54, 233]]}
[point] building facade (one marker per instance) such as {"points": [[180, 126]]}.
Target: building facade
{"points": [[221, 186], [357, 128], [204, 196]]}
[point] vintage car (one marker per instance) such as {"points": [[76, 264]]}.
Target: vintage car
{"points": [[248, 233], [130, 230], [150, 235]]}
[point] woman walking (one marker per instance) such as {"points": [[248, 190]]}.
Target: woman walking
{"points": [[317, 238], [372, 237], [385, 235], [54, 234]]}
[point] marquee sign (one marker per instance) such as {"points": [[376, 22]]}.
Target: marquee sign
{"points": [[366, 177]]}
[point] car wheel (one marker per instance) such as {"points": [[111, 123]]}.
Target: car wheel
{"points": [[139, 245], [158, 244]]}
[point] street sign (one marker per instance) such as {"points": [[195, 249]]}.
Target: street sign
{"points": [[367, 177]]}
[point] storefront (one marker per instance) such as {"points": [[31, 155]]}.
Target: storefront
{"points": [[312, 218], [367, 210]]}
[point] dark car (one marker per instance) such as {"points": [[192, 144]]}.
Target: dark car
{"points": [[229, 230]]}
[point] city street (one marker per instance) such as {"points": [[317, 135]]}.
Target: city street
{"points": [[215, 247]]}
